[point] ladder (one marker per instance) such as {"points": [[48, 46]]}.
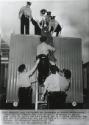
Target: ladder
{"points": [[39, 91]]}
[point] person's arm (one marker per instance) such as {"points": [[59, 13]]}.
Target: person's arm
{"points": [[18, 80], [51, 48], [43, 95], [33, 22], [30, 73], [30, 14], [21, 12], [56, 24], [68, 85]]}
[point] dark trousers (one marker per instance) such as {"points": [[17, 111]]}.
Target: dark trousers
{"points": [[56, 100], [25, 97], [49, 37], [24, 25], [57, 30], [43, 68], [36, 27]]}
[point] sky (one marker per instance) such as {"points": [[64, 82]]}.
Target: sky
{"points": [[73, 15]]}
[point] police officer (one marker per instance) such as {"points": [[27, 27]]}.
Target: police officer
{"points": [[25, 15]]}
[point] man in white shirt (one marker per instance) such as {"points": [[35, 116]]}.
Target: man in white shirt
{"points": [[54, 26], [24, 85], [48, 17], [25, 15], [42, 53], [43, 21], [56, 86], [44, 48]]}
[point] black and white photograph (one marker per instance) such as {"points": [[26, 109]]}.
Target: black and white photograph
{"points": [[44, 56]]}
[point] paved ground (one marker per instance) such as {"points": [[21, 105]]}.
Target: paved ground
{"points": [[4, 105]]}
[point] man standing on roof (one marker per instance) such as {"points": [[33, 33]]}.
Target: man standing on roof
{"points": [[43, 22], [54, 26], [25, 15], [48, 17]]}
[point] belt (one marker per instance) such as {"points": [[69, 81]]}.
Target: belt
{"points": [[57, 92], [25, 16], [42, 56], [26, 87]]}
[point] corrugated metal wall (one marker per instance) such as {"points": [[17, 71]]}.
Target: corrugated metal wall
{"points": [[68, 54]]}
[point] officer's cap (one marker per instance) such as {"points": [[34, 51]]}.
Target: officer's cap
{"points": [[49, 13], [52, 17], [43, 11], [29, 3]]}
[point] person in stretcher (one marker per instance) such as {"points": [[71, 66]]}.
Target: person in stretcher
{"points": [[42, 53]]}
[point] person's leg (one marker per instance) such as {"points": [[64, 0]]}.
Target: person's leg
{"points": [[51, 101], [21, 97], [29, 98], [55, 101], [57, 33], [60, 100], [58, 29], [41, 78], [63, 99], [22, 25], [27, 26], [43, 69], [51, 30]]}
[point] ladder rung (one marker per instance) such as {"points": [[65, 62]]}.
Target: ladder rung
{"points": [[42, 101]]}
